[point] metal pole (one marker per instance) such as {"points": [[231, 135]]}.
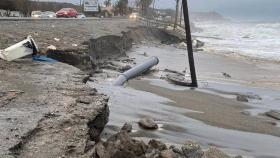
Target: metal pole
{"points": [[189, 43], [181, 15], [154, 8], [176, 14]]}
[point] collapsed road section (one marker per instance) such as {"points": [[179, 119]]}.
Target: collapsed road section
{"points": [[47, 110]]}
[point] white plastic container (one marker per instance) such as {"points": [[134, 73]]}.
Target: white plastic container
{"points": [[19, 50]]}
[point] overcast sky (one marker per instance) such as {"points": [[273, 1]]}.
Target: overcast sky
{"points": [[261, 9]]}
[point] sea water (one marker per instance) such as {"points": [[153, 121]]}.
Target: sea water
{"points": [[260, 40]]}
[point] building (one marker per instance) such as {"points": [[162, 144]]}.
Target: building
{"points": [[3, 13], [15, 14]]}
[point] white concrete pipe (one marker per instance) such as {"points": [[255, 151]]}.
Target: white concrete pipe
{"points": [[136, 71]]}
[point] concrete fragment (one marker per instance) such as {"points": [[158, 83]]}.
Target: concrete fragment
{"points": [[157, 145], [192, 150], [167, 154], [215, 153]]}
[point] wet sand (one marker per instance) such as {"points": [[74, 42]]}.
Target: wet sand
{"points": [[210, 114], [215, 110], [210, 66], [214, 102]]}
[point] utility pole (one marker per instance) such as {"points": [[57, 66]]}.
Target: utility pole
{"points": [[189, 43], [181, 14], [176, 14], [81, 5], [154, 1]]}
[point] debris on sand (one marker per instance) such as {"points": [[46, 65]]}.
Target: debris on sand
{"points": [[19, 50], [246, 113], [215, 153], [226, 75], [121, 145], [182, 45], [178, 79], [173, 71], [51, 47], [273, 114], [127, 127], [145, 54], [157, 145], [245, 97], [197, 43], [74, 45], [242, 98], [57, 39], [253, 96], [167, 154], [148, 123], [192, 149]]}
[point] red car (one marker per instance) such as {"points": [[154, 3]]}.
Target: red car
{"points": [[67, 13]]}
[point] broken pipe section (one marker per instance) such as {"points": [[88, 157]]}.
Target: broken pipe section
{"points": [[136, 71]]}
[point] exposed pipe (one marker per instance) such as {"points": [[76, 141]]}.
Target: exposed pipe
{"points": [[135, 71]]}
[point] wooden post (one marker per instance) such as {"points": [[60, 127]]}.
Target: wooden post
{"points": [[189, 43]]}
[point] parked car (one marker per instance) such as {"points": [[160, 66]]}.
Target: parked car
{"points": [[133, 15], [48, 14], [81, 15], [15, 14], [3, 13], [67, 13], [36, 14]]}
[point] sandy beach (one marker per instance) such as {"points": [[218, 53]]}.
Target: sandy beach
{"points": [[214, 102]]}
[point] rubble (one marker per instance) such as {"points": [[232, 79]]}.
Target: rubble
{"points": [[51, 47], [242, 98], [148, 123], [157, 145], [226, 75], [213, 152], [192, 150], [178, 79], [122, 145], [127, 127]]}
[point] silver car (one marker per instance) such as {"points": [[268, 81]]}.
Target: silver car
{"points": [[48, 14], [81, 16]]}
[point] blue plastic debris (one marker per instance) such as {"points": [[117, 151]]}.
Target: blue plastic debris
{"points": [[43, 58]]}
